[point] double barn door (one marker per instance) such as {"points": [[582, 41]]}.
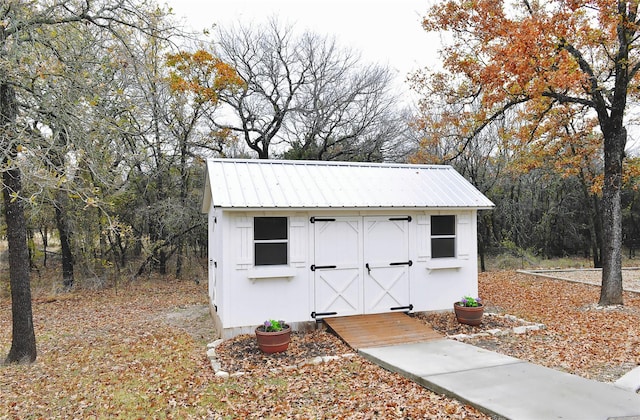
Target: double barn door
{"points": [[361, 265]]}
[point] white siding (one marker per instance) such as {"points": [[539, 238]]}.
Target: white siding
{"points": [[298, 241], [239, 190]]}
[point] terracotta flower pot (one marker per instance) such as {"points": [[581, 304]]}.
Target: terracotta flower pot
{"points": [[273, 342], [470, 315]]}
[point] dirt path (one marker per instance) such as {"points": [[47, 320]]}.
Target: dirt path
{"points": [[195, 320]]}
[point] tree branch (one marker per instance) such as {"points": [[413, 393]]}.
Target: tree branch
{"points": [[598, 103], [486, 122], [562, 98]]}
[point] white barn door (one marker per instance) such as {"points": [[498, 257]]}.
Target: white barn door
{"points": [[338, 266], [386, 259]]}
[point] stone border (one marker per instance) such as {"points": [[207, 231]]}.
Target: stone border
{"points": [[217, 367], [522, 329]]}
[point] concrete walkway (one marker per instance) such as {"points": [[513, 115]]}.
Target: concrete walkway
{"points": [[502, 386]]}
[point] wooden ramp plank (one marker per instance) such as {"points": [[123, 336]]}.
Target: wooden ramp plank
{"points": [[377, 330]]}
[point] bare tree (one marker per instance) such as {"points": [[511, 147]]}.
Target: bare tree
{"points": [[273, 69], [346, 111], [306, 92]]}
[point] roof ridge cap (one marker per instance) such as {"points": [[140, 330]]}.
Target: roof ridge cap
{"points": [[330, 163]]}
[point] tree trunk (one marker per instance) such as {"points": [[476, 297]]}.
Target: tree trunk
{"points": [[61, 204], [179, 257], [23, 342], [596, 245], [65, 243], [483, 237], [44, 234], [594, 217], [611, 290], [162, 262], [483, 265], [184, 192]]}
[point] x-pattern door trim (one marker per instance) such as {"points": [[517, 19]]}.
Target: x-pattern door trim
{"points": [[339, 293], [386, 254], [337, 265], [386, 291]]}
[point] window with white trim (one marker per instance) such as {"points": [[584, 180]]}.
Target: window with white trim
{"points": [[443, 236], [270, 241]]}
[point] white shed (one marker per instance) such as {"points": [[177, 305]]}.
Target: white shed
{"points": [[305, 240]]}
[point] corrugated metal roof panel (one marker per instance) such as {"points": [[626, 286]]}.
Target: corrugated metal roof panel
{"points": [[313, 184]]}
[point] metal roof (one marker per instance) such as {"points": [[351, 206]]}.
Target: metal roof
{"points": [[234, 183]]}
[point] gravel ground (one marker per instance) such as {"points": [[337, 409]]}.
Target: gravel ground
{"points": [[630, 276]]}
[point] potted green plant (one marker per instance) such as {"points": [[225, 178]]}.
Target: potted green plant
{"points": [[469, 310], [273, 336]]}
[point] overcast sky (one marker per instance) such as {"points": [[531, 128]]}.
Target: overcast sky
{"points": [[387, 32]]}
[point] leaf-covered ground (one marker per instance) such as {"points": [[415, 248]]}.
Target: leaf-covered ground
{"points": [[580, 338], [140, 353], [241, 353]]}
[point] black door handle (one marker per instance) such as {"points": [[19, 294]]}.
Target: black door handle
{"points": [[368, 268], [320, 267], [409, 263]]}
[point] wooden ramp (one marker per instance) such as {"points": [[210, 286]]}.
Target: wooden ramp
{"points": [[377, 330]]}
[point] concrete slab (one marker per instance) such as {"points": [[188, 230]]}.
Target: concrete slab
{"points": [[528, 391], [630, 381], [435, 357], [503, 386]]}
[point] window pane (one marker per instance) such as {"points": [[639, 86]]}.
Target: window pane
{"points": [[443, 247], [443, 225], [265, 228], [271, 253]]}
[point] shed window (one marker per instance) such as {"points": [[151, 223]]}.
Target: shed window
{"points": [[443, 236], [270, 240]]}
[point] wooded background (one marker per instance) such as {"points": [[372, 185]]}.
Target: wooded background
{"points": [[109, 109]]}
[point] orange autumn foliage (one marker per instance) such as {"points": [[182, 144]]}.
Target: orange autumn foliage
{"points": [[557, 66], [202, 74], [555, 79]]}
